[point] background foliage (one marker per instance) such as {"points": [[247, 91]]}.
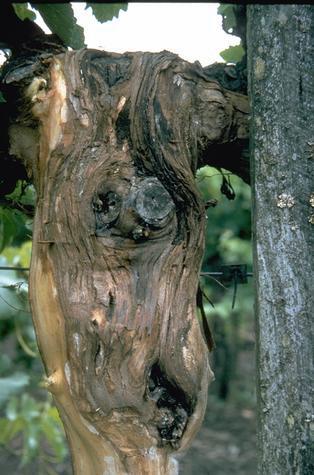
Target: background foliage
{"points": [[30, 428]]}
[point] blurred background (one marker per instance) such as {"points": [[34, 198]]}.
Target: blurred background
{"points": [[32, 440], [226, 441]]}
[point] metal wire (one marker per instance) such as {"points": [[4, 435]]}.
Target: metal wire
{"points": [[13, 268], [204, 274]]}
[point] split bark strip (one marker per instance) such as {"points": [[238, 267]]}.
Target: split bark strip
{"points": [[280, 57], [117, 248]]}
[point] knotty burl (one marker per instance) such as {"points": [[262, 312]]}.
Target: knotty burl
{"points": [[117, 248]]}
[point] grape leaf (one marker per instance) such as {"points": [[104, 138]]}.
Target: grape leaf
{"points": [[23, 12], [7, 228], [233, 54], [229, 19], [106, 11], [59, 17]]}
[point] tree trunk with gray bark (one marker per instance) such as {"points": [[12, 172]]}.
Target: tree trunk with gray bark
{"points": [[112, 143], [280, 62]]}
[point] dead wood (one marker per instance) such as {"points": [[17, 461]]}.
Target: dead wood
{"points": [[112, 143]]}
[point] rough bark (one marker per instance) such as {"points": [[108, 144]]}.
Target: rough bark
{"points": [[280, 61], [112, 144]]}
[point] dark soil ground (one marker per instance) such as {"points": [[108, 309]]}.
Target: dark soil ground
{"points": [[225, 444]]}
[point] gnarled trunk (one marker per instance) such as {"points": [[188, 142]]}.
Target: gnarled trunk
{"points": [[113, 146]]}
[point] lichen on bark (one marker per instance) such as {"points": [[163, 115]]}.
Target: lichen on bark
{"points": [[280, 61]]}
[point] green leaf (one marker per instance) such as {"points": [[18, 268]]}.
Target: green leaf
{"points": [[227, 12], [222, 8], [30, 408], [23, 12], [52, 429], [11, 223], [8, 429], [19, 257], [31, 439], [11, 411], [25, 195], [233, 54], [38, 423], [106, 11], [61, 20], [12, 385], [53, 414], [7, 228]]}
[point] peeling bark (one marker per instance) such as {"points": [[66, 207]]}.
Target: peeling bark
{"points": [[113, 143]]}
